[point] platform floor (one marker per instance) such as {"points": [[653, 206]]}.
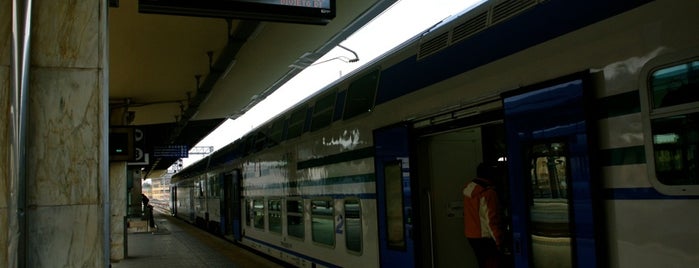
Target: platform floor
{"points": [[176, 243]]}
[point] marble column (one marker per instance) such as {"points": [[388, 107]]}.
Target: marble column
{"points": [[5, 50], [136, 204], [117, 189], [64, 209]]}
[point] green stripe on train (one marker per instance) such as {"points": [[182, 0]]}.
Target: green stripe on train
{"points": [[622, 156], [362, 178], [618, 105]]}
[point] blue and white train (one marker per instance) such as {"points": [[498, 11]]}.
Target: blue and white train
{"points": [[591, 108]]}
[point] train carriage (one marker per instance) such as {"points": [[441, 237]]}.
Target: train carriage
{"points": [[589, 107]]}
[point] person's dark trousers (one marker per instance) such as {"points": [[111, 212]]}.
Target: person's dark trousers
{"points": [[486, 252], [151, 220]]}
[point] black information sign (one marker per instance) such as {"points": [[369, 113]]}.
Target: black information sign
{"points": [[295, 11], [171, 151]]}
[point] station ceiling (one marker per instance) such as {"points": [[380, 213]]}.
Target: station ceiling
{"points": [[180, 77]]}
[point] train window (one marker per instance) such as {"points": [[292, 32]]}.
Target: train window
{"points": [[296, 123], [213, 186], [248, 142], [309, 117], [294, 218], [361, 94], [675, 144], [323, 111], [258, 210], [260, 140], [200, 187], [339, 105], [353, 225], [274, 209], [673, 114], [209, 184], [249, 212], [675, 85], [323, 221], [276, 131]]}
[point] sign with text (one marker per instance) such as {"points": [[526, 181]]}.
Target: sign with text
{"points": [[171, 151], [295, 11]]}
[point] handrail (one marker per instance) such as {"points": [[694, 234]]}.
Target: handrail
{"points": [[429, 213]]}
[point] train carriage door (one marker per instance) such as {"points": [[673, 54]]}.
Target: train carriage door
{"points": [[553, 208], [393, 196], [227, 206], [446, 159], [233, 205], [173, 200]]}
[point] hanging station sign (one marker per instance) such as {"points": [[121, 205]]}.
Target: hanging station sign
{"points": [[293, 11]]}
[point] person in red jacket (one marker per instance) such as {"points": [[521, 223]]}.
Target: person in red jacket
{"points": [[482, 216]]}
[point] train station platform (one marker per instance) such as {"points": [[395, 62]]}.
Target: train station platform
{"points": [[175, 243]]}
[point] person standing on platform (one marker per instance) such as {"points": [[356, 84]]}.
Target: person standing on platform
{"points": [[482, 221], [145, 201]]}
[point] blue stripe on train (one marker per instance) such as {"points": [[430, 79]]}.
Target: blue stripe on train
{"points": [[314, 260], [371, 196], [548, 20]]}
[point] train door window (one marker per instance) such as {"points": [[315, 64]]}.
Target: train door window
{"points": [[294, 218], [394, 205], [209, 185], [213, 187], [548, 172], [249, 212], [548, 205], [353, 225], [322, 221], [199, 185], [274, 209], [672, 99], [258, 210]]}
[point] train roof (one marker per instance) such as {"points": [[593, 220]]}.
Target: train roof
{"points": [[483, 26]]}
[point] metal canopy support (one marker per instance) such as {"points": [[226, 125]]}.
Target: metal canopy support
{"points": [[236, 40], [21, 24]]}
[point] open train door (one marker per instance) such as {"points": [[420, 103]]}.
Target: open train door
{"points": [[549, 147], [393, 196]]}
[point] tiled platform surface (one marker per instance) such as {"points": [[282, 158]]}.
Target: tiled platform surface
{"points": [[176, 243]]}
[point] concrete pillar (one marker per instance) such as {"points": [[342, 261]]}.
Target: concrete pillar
{"points": [[65, 217]]}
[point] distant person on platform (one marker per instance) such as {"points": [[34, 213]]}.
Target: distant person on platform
{"points": [[145, 201], [482, 217]]}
